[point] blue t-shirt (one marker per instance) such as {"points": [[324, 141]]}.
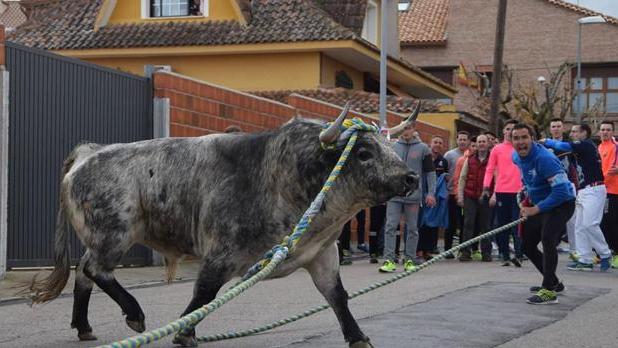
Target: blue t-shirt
{"points": [[545, 179], [587, 157]]}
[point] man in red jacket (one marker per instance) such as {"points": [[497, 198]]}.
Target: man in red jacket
{"points": [[470, 197]]}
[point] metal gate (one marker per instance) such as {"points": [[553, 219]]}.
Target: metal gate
{"points": [[56, 103]]}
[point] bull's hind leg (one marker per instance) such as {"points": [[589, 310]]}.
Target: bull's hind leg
{"points": [[99, 267], [214, 272], [324, 270], [81, 298]]}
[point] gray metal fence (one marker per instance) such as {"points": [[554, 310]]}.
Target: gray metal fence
{"points": [[56, 103]]}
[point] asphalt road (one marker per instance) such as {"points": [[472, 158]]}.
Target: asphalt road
{"points": [[448, 305]]}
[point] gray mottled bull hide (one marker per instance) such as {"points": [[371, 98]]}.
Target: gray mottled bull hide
{"points": [[224, 198]]}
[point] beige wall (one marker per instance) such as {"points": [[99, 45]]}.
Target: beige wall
{"points": [[538, 34], [255, 72], [329, 68]]}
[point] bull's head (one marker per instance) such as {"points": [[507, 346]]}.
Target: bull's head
{"points": [[373, 166]]}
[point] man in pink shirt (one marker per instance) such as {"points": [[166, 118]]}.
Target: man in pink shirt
{"points": [[507, 185]]}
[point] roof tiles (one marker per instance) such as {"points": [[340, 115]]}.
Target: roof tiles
{"points": [[424, 23]]}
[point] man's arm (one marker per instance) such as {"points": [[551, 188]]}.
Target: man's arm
{"points": [[430, 171], [489, 171], [561, 191], [462, 181], [557, 145]]}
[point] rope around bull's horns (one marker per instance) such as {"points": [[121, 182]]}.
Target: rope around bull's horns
{"points": [[267, 264]]}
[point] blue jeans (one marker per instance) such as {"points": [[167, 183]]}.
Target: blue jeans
{"points": [[507, 211]]}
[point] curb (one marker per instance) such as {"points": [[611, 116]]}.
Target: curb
{"points": [[16, 300]]}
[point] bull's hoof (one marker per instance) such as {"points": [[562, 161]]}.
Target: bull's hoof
{"points": [[137, 325], [87, 336], [361, 344], [185, 341]]}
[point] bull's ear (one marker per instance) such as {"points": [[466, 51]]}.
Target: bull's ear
{"points": [[396, 130], [331, 134]]}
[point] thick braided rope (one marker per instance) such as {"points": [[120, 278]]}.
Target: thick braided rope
{"points": [[377, 285], [197, 315], [349, 135]]}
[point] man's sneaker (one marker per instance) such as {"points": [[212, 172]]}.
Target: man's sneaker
{"points": [[363, 247], [542, 297], [477, 256], [409, 266], [515, 261], [465, 256], [615, 262], [580, 266], [605, 264], [388, 267], [345, 262], [573, 257], [373, 258], [486, 258], [557, 289]]}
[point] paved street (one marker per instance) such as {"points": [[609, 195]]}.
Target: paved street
{"points": [[448, 305]]}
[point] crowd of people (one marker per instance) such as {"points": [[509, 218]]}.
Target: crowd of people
{"points": [[568, 190]]}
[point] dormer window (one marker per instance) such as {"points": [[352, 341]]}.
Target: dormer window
{"points": [[174, 8], [370, 25]]}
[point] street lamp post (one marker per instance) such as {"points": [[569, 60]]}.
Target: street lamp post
{"points": [[580, 22]]}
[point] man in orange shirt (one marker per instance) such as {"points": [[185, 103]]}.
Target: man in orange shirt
{"points": [[608, 149]]}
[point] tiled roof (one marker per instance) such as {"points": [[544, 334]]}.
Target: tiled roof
{"points": [[13, 16], [364, 102], [424, 23], [349, 13], [582, 10], [69, 24]]}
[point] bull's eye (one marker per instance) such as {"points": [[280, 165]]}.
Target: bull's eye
{"points": [[364, 155]]}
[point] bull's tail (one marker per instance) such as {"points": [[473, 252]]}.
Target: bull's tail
{"points": [[47, 289]]}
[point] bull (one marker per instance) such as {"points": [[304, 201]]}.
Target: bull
{"points": [[224, 198]]}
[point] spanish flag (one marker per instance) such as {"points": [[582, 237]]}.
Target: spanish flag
{"points": [[462, 75]]}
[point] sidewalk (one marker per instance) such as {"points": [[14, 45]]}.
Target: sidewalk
{"points": [[130, 278]]}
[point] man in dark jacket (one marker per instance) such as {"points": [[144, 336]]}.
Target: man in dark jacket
{"points": [[469, 196]]}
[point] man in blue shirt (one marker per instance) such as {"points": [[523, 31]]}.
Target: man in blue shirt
{"points": [[550, 203], [590, 199]]}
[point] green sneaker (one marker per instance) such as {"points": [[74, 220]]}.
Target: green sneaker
{"points": [[477, 256], [388, 267], [580, 266], [615, 262], [542, 297], [409, 266]]}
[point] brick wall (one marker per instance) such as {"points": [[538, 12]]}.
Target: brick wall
{"points": [[538, 35], [199, 108]]}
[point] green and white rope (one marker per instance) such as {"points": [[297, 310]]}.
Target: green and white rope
{"points": [[377, 285], [197, 315], [270, 260]]}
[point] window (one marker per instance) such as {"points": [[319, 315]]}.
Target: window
{"points": [[404, 5], [370, 25], [598, 91], [342, 79], [174, 8]]}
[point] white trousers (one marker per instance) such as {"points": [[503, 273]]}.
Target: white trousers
{"points": [[589, 213]]}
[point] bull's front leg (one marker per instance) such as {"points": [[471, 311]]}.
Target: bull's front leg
{"points": [[324, 270]]}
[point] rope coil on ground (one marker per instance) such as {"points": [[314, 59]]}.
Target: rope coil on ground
{"points": [[377, 285]]}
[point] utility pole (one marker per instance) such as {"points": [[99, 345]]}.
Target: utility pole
{"points": [[383, 58], [497, 74]]}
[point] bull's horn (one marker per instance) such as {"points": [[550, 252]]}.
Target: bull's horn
{"points": [[410, 119], [331, 134]]}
